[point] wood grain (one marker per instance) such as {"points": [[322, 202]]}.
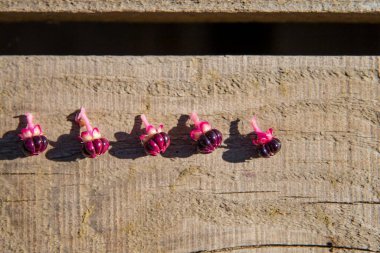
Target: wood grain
{"points": [[319, 194], [187, 10]]}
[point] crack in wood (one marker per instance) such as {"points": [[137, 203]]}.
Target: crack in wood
{"points": [[344, 202], [32, 173], [245, 192], [280, 245], [298, 197], [21, 200]]}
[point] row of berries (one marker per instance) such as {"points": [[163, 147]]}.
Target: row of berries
{"points": [[155, 141]]}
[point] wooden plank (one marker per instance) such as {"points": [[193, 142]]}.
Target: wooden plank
{"points": [[320, 193], [185, 11]]}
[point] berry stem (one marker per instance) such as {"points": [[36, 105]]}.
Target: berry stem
{"points": [[29, 119], [82, 116], [144, 120], [254, 124], [194, 117]]}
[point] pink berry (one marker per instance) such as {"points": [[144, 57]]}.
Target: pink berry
{"points": [[267, 144], [207, 139], [34, 142], [155, 141], [93, 143]]}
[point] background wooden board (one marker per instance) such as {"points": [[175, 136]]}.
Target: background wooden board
{"points": [[320, 193], [166, 10]]}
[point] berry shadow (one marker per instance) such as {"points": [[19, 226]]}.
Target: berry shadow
{"points": [[11, 144], [67, 148], [181, 146], [239, 147], [128, 146]]}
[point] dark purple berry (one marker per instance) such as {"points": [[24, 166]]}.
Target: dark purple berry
{"points": [[34, 142], [35, 145], [95, 147], [40, 143], [157, 144], [151, 147], [106, 145], [209, 141], [266, 144], [89, 149], [93, 144], [29, 147], [86, 152], [98, 146], [159, 140], [270, 148]]}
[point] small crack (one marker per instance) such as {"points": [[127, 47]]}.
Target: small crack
{"points": [[245, 192], [344, 202], [257, 246], [298, 197], [21, 200], [32, 173]]}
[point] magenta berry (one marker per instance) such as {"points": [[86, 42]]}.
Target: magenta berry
{"points": [[155, 141], [93, 143], [207, 139], [34, 142], [267, 144]]}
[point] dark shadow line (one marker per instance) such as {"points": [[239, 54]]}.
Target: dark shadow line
{"points": [[245, 192], [297, 197], [112, 38], [344, 202], [21, 200], [36, 174], [329, 245]]}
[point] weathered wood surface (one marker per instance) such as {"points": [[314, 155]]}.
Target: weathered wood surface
{"points": [[320, 193], [166, 10]]}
